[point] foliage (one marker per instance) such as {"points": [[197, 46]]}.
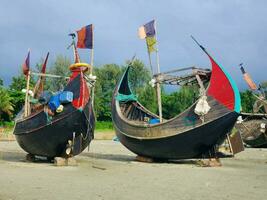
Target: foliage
{"points": [[148, 98], [60, 67], [263, 88], [139, 75], [104, 125], [15, 91], [6, 107], [1, 82], [177, 102], [107, 77], [247, 101]]}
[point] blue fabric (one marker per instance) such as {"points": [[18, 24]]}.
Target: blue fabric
{"points": [[150, 29], [65, 97], [89, 37], [154, 121], [54, 102]]}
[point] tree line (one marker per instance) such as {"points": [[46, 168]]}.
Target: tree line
{"points": [[12, 97]]}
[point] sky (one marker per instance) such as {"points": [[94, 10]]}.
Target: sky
{"points": [[233, 32]]}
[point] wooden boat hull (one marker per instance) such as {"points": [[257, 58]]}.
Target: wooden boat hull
{"points": [[250, 131], [185, 136], [194, 143], [50, 139], [50, 135]]}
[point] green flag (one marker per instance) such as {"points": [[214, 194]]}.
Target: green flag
{"points": [[151, 42]]}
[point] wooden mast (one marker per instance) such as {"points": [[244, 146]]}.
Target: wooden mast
{"points": [[26, 105], [92, 63], [157, 81]]}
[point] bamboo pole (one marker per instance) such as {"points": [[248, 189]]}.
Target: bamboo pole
{"points": [[49, 75], [92, 63], [158, 84], [26, 105], [92, 51]]}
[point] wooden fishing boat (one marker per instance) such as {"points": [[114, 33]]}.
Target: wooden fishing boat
{"points": [[252, 126], [187, 135], [69, 128], [45, 135]]}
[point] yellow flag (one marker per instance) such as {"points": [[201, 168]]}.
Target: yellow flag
{"points": [[151, 42]]}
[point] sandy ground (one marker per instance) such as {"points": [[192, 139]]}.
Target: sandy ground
{"points": [[108, 171]]}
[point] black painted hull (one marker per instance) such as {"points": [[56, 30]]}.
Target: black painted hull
{"points": [[194, 143], [250, 130], [183, 137], [39, 137]]}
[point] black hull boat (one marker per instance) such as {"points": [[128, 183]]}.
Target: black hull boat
{"points": [[44, 135], [253, 129], [187, 135], [253, 126]]}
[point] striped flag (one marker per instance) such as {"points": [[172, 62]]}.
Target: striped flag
{"points": [[147, 30], [85, 37], [26, 65]]}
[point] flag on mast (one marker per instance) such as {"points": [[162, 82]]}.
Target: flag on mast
{"points": [[26, 65], [85, 37], [148, 32], [248, 79]]}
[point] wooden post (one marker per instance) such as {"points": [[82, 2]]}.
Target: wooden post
{"points": [[26, 105], [158, 84], [92, 63], [92, 51], [201, 85]]}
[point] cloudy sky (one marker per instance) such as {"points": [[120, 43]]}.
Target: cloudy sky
{"points": [[233, 31]]}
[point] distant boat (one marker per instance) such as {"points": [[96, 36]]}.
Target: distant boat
{"points": [[185, 136], [253, 126], [253, 129], [65, 133]]}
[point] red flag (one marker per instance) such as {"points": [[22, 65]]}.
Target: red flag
{"points": [[26, 65], [85, 37], [44, 64]]}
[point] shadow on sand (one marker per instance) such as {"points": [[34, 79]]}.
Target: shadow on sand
{"points": [[112, 157], [20, 157], [132, 158]]}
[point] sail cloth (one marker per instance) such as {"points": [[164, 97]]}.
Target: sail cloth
{"points": [[220, 86], [202, 107], [148, 32], [85, 37], [26, 65]]}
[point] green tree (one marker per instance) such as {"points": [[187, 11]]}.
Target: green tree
{"points": [[247, 101], [177, 102], [107, 77], [139, 75], [1, 82], [148, 98], [6, 106], [15, 91], [61, 68]]}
